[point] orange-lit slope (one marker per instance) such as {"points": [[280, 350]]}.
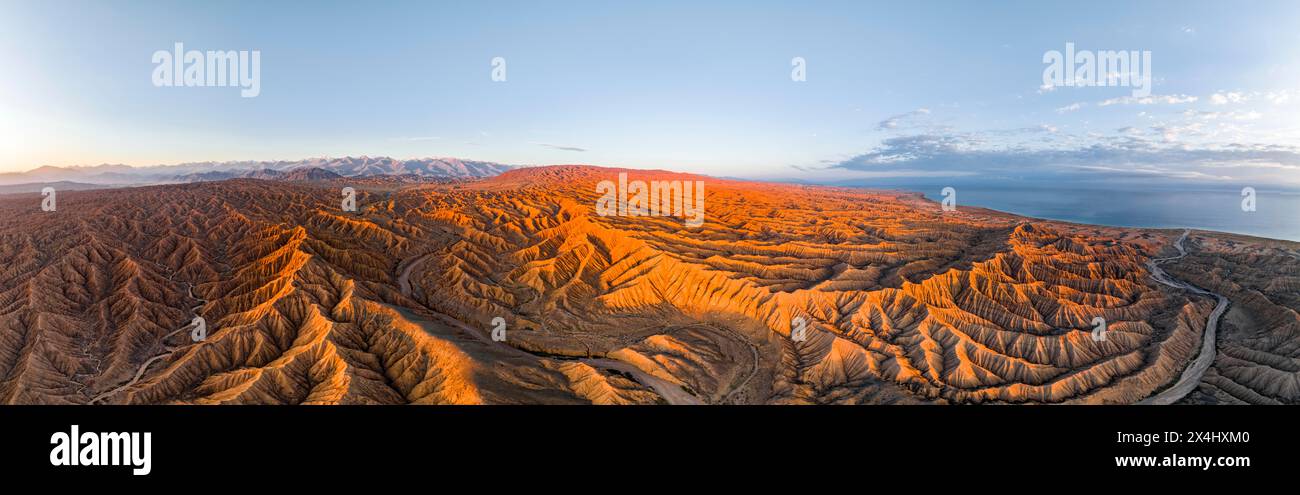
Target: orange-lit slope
{"points": [[395, 303]]}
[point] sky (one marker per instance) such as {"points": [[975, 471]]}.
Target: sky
{"points": [[900, 90]]}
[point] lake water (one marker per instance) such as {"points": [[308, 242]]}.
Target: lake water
{"points": [[1277, 214]]}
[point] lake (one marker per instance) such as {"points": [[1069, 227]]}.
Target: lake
{"points": [[1277, 214]]}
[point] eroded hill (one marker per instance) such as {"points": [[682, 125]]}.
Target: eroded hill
{"points": [[786, 294]]}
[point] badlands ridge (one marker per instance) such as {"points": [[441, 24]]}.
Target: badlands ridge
{"points": [[786, 294]]}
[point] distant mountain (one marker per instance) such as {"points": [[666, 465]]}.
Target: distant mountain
{"points": [[364, 166], [435, 167], [104, 174], [309, 174], [264, 173], [297, 174], [32, 187]]}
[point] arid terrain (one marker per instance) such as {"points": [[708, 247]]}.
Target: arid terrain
{"points": [[786, 294]]}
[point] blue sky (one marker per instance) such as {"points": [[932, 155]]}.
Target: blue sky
{"points": [[896, 90]]}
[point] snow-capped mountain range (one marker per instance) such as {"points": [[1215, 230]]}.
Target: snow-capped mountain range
{"points": [[116, 175]]}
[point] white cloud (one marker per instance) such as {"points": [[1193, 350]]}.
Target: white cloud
{"points": [[1233, 115], [1149, 100], [896, 120], [1254, 164], [1131, 154], [1278, 97], [1070, 108], [560, 147], [1229, 97], [1251, 115]]}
